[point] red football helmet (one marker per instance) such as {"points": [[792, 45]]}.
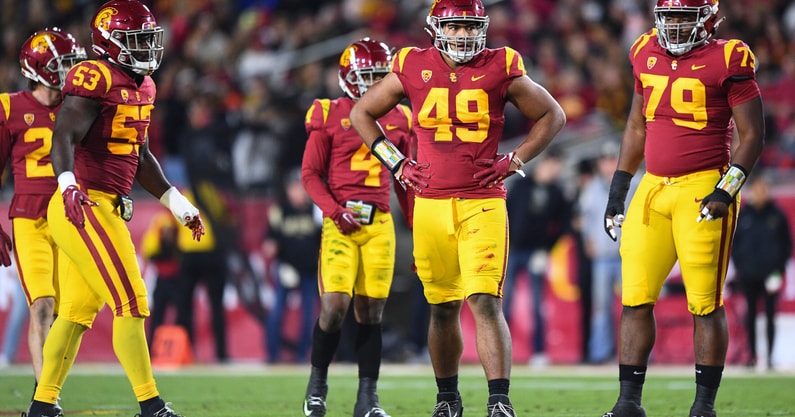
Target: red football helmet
{"points": [[48, 55], [468, 12], [361, 63], [126, 31], [685, 24]]}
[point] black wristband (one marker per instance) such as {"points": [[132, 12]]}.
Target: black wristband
{"points": [[619, 186]]}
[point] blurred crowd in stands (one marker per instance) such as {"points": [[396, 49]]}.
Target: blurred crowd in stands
{"points": [[244, 72]]}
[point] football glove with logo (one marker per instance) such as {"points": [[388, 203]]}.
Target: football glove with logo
{"points": [[73, 201], [413, 175], [495, 170], [345, 220]]}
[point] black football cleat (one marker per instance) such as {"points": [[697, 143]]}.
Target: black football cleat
{"points": [[501, 409], [163, 412], [54, 410], [697, 411], [626, 409], [448, 409], [314, 406]]}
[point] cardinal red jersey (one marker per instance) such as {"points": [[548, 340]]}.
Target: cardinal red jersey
{"points": [[107, 157], [26, 139], [458, 114], [336, 153], [687, 102]]}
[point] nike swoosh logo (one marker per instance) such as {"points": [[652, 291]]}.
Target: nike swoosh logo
{"points": [[638, 373], [698, 200], [307, 411], [475, 78], [391, 127], [487, 209], [697, 67]]}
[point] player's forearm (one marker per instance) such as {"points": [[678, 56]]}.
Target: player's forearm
{"points": [[150, 175], [366, 125], [319, 193], [749, 120], [541, 135], [62, 155]]}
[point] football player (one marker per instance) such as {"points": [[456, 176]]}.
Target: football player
{"points": [[100, 147], [458, 90], [26, 122], [693, 93], [357, 255]]}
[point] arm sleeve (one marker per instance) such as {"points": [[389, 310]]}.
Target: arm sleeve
{"points": [[314, 167]]}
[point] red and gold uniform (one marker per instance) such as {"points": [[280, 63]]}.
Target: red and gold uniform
{"points": [[459, 118], [26, 138], [337, 168], [106, 161], [688, 102]]}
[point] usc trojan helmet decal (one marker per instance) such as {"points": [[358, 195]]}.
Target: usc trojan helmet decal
{"points": [[103, 18], [47, 56]]}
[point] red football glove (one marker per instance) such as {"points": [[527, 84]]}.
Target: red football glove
{"points": [[5, 248], [495, 170], [197, 227], [413, 175], [73, 201], [346, 221]]}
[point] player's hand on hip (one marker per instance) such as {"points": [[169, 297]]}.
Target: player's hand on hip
{"points": [[714, 206], [5, 248], [346, 221], [73, 201], [414, 175], [494, 169]]}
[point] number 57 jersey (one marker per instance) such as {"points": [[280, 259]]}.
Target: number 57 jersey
{"points": [[107, 157], [688, 100]]}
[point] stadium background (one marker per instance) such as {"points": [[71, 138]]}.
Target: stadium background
{"points": [[238, 76]]}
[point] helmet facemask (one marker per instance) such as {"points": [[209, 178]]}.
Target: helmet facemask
{"points": [[460, 49], [694, 27], [141, 50], [61, 64], [362, 78]]}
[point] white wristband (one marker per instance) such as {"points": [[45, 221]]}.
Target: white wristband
{"points": [[180, 207], [66, 179]]}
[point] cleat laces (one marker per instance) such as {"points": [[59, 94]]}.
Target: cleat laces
{"points": [[314, 406], [445, 409], [501, 410]]}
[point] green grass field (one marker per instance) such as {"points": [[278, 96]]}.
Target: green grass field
{"points": [[244, 390]]}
